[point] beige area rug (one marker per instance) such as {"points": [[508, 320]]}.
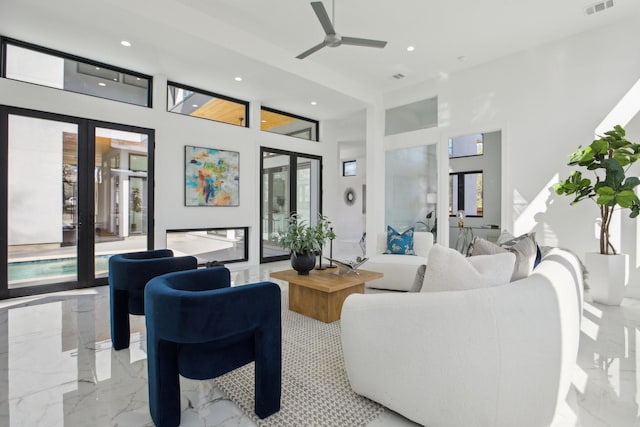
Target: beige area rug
{"points": [[315, 388]]}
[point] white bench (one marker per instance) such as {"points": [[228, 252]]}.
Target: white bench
{"points": [[399, 270]]}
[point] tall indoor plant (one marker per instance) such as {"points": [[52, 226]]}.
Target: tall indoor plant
{"points": [[608, 158], [304, 241]]}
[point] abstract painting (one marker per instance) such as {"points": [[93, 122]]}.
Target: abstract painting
{"points": [[212, 177]]}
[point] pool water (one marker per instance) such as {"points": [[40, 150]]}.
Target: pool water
{"points": [[41, 269]]}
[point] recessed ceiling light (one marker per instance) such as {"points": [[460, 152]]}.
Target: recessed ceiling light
{"points": [[263, 121], [410, 48], [125, 43], [102, 84], [314, 103], [238, 79], [97, 68], [115, 79], [195, 105]]}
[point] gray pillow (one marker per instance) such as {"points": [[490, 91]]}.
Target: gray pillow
{"points": [[523, 247], [419, 279]]}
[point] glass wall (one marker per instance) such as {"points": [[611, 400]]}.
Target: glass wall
{"points": [[411, 188], [194, 102]]}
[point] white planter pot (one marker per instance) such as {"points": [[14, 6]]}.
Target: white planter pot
{"points": [[608, 277]]}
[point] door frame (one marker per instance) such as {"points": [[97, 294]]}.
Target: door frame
{"points": [[293, 179], [86, 208]]}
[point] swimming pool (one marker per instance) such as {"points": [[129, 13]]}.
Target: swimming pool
{"points": [[24, 271]]}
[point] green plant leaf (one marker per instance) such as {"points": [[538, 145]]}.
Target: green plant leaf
{"points": [[615, 173], [598, 147], [605, 195], [630, 183], [626, 198]]}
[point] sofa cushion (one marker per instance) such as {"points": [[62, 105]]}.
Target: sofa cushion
{"points": [[447, 270], [418, 281], [507, 240], [399, 243], [524, 248]]}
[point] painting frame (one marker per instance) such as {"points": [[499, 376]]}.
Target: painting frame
{"points": [[211, 177]]}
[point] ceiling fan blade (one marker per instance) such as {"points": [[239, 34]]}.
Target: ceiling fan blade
{"points": [[354, 41], [322, 15], [312, 50]]}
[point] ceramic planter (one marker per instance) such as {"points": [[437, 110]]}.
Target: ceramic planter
{"points": [[303, 263], [608, 277]]}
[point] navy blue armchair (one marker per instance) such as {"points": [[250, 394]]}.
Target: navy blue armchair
{"points": [[128, 275], [200, 327]]}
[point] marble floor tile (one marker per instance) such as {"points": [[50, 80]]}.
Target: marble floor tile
{"points": [[57, 367]]}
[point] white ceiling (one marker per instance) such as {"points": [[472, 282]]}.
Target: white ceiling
{"points": [[206, 43]]}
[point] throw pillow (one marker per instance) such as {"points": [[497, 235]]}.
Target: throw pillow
{"points": [[449, 270], [524, 248], [399, 244], [507, 239], [419, 279]]}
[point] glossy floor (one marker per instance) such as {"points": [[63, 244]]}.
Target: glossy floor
{"points": [[57, 367]]}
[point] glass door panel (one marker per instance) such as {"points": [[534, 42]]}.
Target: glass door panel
{"points": [[120, 194], [307, 187], [275, 201], [42, 211]]}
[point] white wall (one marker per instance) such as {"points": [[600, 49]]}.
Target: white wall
{"points": [[173, 132], [547, 101], [349, 223]]}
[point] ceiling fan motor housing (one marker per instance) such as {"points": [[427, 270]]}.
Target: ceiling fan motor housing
{"points": [[333, 40]]}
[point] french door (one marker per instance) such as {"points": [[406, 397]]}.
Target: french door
{"points": [[75, 194], [290, 182]]}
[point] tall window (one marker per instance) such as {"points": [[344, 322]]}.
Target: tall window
{"points": [[288, 124], [34, 64], [465, 193], [194, 102]]}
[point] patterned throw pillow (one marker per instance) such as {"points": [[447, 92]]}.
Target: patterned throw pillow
{"points": [[399, 244]]}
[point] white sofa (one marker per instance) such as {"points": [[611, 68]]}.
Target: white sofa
{"points": [[496, 356], [399, 270]]}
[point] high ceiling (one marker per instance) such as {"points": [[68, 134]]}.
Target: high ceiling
{"points": [[206, 43]]}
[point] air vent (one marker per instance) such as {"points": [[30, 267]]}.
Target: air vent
{"points": [[599, 7], [398, 76]]}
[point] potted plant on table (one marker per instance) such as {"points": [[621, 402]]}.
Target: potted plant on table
{"points": [[304, 241], [608, 158]]}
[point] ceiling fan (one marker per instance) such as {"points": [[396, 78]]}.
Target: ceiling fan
{"points": [[332, 39]]}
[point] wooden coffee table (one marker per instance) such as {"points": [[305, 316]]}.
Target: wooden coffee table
{"points": [[321, 294]]}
